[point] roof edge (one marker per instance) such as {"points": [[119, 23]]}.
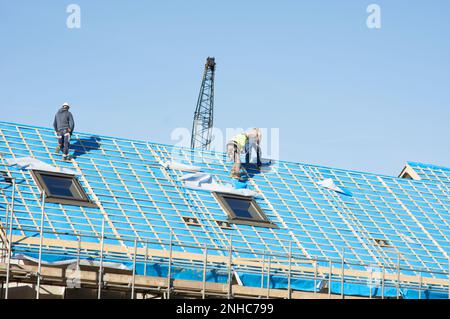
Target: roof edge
{"points": [[425, 165]]}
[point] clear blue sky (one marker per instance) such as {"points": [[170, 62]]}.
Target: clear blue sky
{"points": [[341, 94]]}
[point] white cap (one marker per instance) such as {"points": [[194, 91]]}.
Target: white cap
{"points": [[66, 104]]}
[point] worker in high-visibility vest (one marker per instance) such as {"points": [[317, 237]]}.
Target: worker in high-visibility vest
{"points": [[244, 143]]}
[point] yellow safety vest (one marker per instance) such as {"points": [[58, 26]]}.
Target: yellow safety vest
{"points": [[240, 140]]}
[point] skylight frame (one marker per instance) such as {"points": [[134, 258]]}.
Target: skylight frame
{"points": [[260, 221], [50, 197]]}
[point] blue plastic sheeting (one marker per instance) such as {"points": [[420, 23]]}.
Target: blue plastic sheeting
{"points": [[425, 294], [153, 269], [239, 183], [389, 292], [277, 282], [362, 290], [218, 275], [177, 272]]}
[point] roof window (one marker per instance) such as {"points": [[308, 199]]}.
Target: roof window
{"points": [[243, 210], [62, 188]]}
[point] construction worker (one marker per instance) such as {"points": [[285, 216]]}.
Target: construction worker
{"points": [[63, 125], [244, 143]]}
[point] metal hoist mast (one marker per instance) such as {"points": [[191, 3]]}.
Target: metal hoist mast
{"points": [[204, 112]]}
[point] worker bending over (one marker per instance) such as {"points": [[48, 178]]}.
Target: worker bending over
{"points": [[63, 125], [244, 143]]}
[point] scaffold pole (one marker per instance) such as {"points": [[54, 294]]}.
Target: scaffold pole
{"points": [[41, 237], [10, 243]]}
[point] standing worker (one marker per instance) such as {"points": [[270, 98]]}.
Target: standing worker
{"points": [[63, 125], [244, 143]]}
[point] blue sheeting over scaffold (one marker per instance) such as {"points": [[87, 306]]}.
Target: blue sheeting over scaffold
{"points": [[154, 269], [276, 282], [351, 289], [220, 275]]}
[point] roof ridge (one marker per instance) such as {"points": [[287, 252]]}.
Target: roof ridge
{"points": [[427, 165], [205, 152]]}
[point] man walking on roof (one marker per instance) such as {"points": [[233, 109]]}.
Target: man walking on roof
{"points": [[63, 125], [244, 142]]}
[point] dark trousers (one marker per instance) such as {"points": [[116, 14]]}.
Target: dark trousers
{"points": [[64, 140], [248, 151]]}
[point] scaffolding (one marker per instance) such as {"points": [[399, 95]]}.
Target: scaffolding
{"points": [[101, 277]]}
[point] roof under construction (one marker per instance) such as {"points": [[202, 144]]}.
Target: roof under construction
{"points": [[157, 210]]}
